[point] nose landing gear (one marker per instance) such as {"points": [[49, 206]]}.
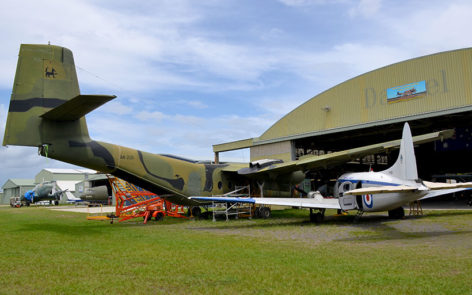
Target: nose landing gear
{"points": [[317, 217]]}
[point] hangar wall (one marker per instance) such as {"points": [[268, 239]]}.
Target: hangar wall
{"points": [[15, 188], [421, 89], [279, 150], [363, 100]]}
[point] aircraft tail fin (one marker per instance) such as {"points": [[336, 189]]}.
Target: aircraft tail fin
{"points": [[45, 91], [405, 166]]}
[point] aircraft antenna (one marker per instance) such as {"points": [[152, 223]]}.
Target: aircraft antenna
{"points": [[115, 86]]}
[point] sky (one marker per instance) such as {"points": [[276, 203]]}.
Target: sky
{"points": [[190, 74]]}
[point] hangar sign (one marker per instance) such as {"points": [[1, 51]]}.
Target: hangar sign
{"points": [[406, 92]]}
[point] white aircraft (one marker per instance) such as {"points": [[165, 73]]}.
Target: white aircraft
{"points": [[387, 190]]}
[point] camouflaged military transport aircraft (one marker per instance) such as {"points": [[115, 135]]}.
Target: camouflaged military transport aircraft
{"points": [[47, 111]]}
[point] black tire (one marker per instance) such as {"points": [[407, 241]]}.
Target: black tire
{"points": [[316, 217], [257, 212], [159, 216], [196, 211], [207, 215], [265, 212], [397, 213]]}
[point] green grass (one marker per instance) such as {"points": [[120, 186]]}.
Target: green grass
{"points": [[48, 252]]}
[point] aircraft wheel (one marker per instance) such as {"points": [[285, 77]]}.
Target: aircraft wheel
{"points": [[316, 217], [56, 203], [27, 204], [257, 212], [265, 212], [207, 215], [397, 213], [196, 211], [159, 216]]}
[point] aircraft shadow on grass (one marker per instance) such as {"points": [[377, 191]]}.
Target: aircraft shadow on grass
{"points": [[385, 232], [372, 228]]}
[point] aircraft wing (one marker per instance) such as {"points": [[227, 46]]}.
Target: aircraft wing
{"points": [[442, 186], [318, 203], [381, 190], [437, 188], [337, 158]]}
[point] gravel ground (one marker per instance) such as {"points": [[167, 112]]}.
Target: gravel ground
{"points": [[371, 228]]}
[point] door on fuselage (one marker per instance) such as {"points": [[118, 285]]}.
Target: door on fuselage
{"points": [[346, 202]]}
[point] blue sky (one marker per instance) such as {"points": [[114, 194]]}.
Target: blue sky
{"points": [[189, 74]]}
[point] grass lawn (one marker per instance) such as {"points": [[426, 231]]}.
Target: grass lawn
{"points": [[51, 252]]}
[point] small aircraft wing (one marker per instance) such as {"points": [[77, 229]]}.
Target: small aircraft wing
{"points": [[443, 186], [318, 202], [381, 190], [336, 158]]}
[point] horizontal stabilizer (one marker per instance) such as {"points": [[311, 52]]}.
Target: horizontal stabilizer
{"points": [[381, 190], [77, 107]]}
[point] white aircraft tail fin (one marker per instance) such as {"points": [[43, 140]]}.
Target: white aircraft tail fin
{"points": [[405, 166]]}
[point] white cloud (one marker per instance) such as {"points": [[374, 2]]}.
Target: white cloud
{"points": [[436, 28], [116, 107], [308, 2], [197, 104], [366, 8], [155, 116]]}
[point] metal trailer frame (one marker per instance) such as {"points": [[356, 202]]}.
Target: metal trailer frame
{"points": [[236, 209]]}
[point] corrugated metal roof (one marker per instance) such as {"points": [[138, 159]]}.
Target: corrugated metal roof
{"points": [[363, 100], [20, 181], [14, 182]]}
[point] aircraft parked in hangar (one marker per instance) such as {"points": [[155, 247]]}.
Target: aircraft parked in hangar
{"points": [[47, 111], [45, 191]]}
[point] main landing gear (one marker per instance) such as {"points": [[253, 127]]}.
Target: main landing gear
{"points": [[317, 217], [194, 212], [397, 213]]}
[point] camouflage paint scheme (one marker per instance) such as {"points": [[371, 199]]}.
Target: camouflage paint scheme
{"points": [[47, 111]]}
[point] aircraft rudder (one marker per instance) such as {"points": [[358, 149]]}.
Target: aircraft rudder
{"points": [[45, 78], [405, 165]]}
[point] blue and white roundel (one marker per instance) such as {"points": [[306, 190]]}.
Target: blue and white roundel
{"points": [[368, 201]]}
